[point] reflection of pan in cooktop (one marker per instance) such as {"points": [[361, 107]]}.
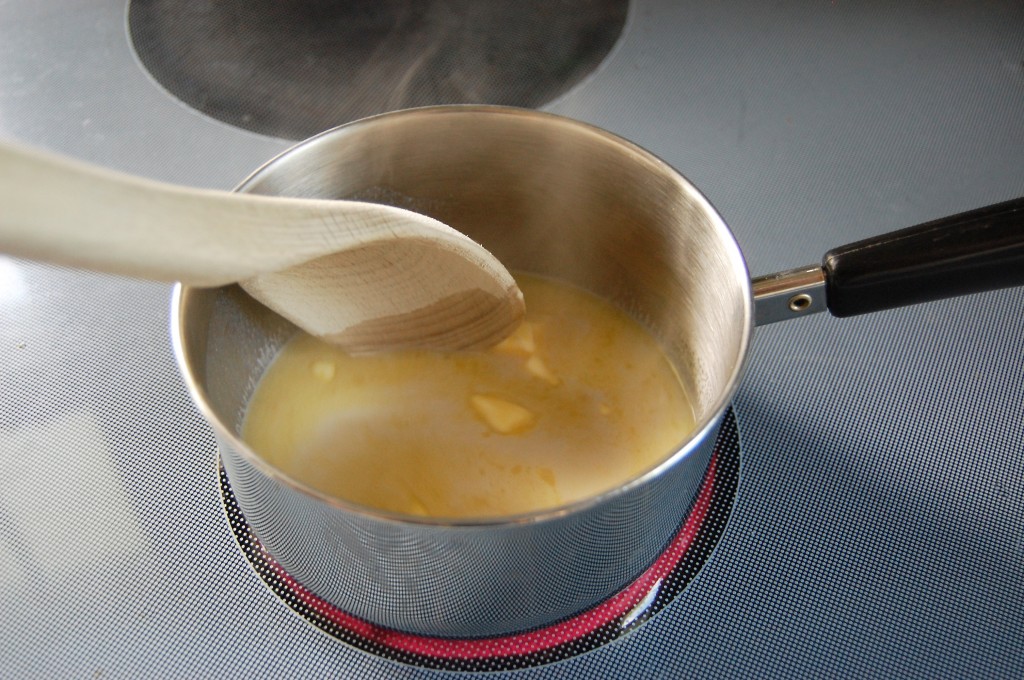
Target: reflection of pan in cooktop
{"points": [[292, 68]]}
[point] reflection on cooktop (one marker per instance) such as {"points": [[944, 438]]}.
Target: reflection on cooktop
{"points": [[293, 68]]}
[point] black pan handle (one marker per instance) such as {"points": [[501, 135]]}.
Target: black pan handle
{"points": [[971, 252]]}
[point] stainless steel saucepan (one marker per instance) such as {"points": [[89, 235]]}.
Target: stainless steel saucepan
{"points": [[557, 197]]}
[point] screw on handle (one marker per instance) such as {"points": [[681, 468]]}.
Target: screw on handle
{"points": [[971, 252]]}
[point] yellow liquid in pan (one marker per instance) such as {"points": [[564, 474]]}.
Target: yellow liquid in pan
{"points": [[577, 401]]}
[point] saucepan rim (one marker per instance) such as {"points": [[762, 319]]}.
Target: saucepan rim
{"points": [[705, 427]]}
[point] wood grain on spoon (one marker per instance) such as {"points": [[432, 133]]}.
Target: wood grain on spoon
{"points": [[364, 276]]}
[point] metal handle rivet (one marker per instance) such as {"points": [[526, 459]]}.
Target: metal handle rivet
{"points": [[799, 303]]}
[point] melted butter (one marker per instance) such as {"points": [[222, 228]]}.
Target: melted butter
{"points": [[575, 402]]}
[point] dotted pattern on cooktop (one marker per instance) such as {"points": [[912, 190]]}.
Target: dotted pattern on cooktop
{"points": [[650, 593]]}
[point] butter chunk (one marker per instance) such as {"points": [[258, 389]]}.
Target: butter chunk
{"points": [[520, 342], [324, 370], [502, 416], [536, 366]]}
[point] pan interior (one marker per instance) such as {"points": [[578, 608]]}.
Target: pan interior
{"points": [[545, 195]]}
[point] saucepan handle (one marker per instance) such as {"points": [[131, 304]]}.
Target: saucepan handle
{"points": [[970, 252]]}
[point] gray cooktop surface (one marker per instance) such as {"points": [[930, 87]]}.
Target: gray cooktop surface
{"points": [[879, 523]]}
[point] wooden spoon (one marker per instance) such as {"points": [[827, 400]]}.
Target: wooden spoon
{"points": [[364, 276]]}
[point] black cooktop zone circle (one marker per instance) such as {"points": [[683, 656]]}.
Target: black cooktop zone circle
{"points": [[623, 613], [293, 68]]}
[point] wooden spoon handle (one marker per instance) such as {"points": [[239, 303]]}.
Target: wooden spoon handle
{"points": [[67, 212]]}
